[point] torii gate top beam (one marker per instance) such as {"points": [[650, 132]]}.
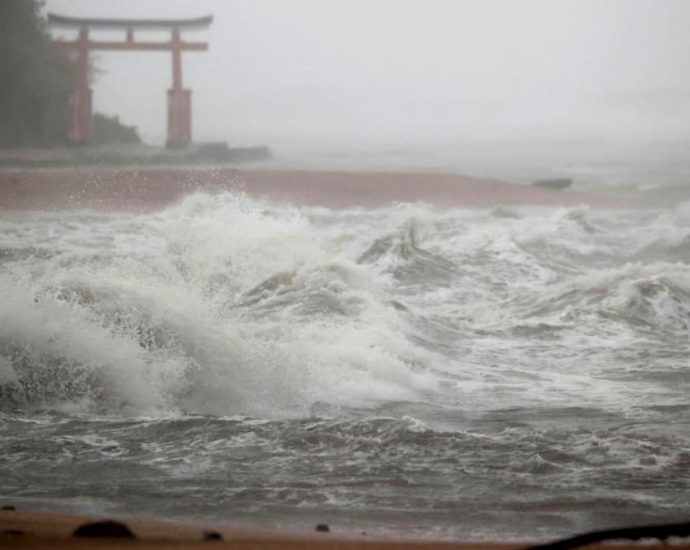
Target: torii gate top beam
{"points": [[196, 23]]}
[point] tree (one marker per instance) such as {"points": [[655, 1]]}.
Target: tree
{"points": [[36, 80], [110, 130]]}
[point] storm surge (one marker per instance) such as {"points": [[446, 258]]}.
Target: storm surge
{"points": [[219, 306], [391, 370]]}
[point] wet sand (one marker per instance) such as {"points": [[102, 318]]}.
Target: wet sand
{"points": [[19, 529], [147, 190], [35, 530]]}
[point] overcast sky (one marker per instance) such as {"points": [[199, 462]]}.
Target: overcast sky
{"points": [[397, 71]]}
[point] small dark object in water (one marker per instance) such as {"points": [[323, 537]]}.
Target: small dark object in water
{"points": [[212, 535], [323, 528], [9, 508], [15, 532], [559, 183], [104, 529]]}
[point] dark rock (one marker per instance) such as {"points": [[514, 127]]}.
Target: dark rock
{"points": [[104, 529], [323, 528], [15, 532], [9, 508], [212, 535]]}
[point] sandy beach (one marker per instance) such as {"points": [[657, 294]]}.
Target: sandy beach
{"points": [[36, 530], [147, 190]]}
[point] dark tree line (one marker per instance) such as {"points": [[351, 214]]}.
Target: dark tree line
{"points": [[110, 130], [35, 79]]}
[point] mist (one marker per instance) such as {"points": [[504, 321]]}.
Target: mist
{"points": [[388, 72], [419, 272]]}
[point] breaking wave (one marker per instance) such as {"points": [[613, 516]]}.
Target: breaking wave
{"points": [[227, 305], [223, 306], [392, 369]]}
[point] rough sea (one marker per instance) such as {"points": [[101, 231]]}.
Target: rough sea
{"points": [[505, 373]]}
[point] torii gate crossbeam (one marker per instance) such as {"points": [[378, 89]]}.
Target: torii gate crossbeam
{"points": [[80, 127]]}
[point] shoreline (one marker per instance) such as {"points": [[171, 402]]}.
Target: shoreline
{"points": [[29, 529], [134, 190], [35, 530]]}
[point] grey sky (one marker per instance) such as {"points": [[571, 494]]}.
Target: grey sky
{"points": [[403, 70]]}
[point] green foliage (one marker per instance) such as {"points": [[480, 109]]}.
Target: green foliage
{"points": [[35, 79], [111, 130]]}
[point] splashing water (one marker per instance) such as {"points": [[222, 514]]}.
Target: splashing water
{"points": [[499, 373]]}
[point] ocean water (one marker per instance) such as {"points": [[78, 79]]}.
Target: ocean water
{"points": [[479, 374]]}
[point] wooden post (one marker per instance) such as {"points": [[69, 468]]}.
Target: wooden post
{"points": [[179, 101], [80, 127]]}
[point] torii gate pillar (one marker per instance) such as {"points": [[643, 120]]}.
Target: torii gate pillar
{"points": [[79, 108], [80, 116], [179, 101]]}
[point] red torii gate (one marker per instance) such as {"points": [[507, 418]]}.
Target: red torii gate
{"points": [[80, 127]]}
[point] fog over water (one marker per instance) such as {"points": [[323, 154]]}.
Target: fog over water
{"points": [[348, 72]]}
